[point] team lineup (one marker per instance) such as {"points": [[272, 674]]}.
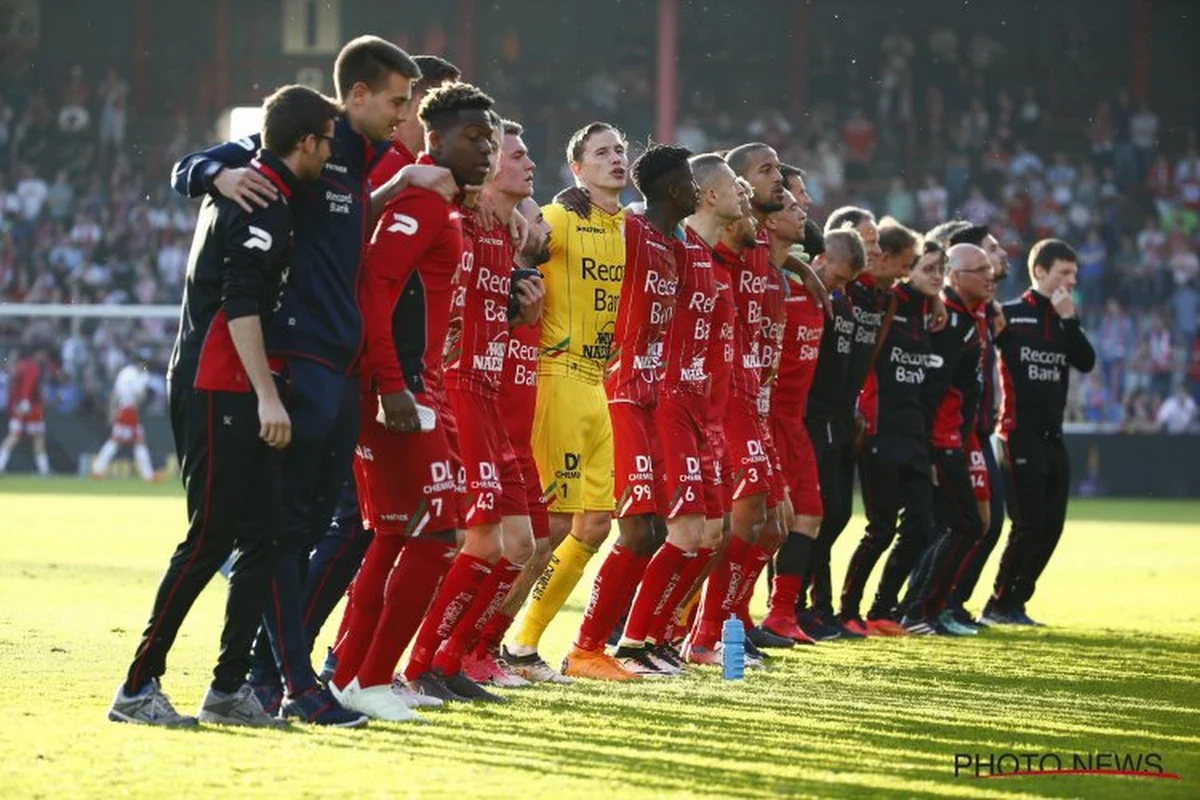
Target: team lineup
{"points": [[400, 380]]}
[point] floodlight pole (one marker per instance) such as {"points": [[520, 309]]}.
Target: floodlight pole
{"points": [[665, 79]]}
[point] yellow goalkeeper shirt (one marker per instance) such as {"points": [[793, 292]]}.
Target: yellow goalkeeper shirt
{"points": [[583, 287]]}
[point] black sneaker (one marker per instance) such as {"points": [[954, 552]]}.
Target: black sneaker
{"points": [[753, 650], [761, 637], [847, 634], [915, 626], [668, 653], [994, 614], [963, 617], [431, 684], [812, 625], [1019, 617], [638, 661], [469, 690], [318, 706]]}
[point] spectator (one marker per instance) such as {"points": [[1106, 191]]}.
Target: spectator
{"points": [[899, 203], [933, 202], [112, 95], [1140, 413], [1115, 341], [1093, 264], [1161, 355], [1177, 414]]}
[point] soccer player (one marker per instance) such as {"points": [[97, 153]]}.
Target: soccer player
{"points": [[572, 431], [499, 535], [129, 390], [894, 465], [25, 414], [518, 398], [407, 470], [337, 557], [804, 326], [951, 391], [1041, 342], [317, 335], [647, 304], [229, 422]]}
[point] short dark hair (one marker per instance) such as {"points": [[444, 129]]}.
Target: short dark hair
{"points": [[847, 215], [705, 166], [849, 239], [739, 157], [972, 234], [788, 171], [511, 127], [435, 71], [579, 139], [814, 240], [291, 113], [943, 233], [1045, 252], [658, 161], [369, 60], [441, 107], [895, 238]]}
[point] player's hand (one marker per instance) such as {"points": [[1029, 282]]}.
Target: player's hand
{"points": [[274, 425], [431, 177], [998, 322], [939, 316], [576, 199], [518, 230], [399, 411], [531, 293], [1063, 303], [245, 187]]}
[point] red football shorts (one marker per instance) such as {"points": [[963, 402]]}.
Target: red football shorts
{"points": [[747, 459], [638, 484], [980, 482], [126, 428], [493, 484], [27, 418], [687, 474], [799, 464], [717, 494], [408, 483]]}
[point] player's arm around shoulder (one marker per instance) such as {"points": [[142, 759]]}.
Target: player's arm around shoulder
{"points": [[410, 223]]}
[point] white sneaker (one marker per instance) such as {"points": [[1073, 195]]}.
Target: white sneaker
{"points": [[413, 699], [379, 702], [341, 694]]}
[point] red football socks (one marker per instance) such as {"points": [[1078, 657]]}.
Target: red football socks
{"points": [[720, 593], [362, 614], [615, 583], [453, 600], [662, 576], [412, 585], [469, 629], [665, 619]]}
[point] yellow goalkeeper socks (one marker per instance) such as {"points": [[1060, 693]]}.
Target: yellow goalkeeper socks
{"points": [[551, 591]]}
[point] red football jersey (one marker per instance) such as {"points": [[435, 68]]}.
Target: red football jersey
{"points": [[394, 159], [689, 335], [719, 360], [643, 313], [798, 355], [518, 384], [750, 279], [418, 232], [478, 335], [773, 320], [26, 382]]}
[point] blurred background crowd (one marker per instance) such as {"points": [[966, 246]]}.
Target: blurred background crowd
{"points": [[1053, 134]]}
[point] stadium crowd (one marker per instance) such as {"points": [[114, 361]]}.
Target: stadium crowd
{"points": [[85, 217]]}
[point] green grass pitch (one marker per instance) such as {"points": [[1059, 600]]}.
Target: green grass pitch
{"points": [[1118, 672]]}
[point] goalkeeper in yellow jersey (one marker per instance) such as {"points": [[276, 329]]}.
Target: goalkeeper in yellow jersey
{"points": [[572, 433]]}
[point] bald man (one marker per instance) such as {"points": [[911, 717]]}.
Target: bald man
{"points": [[951, 397]]}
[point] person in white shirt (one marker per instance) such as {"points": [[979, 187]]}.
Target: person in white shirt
{"points": [[1177, 414], [128, 392]]}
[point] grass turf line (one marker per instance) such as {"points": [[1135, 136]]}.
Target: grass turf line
{"points": [[1118, 672]]}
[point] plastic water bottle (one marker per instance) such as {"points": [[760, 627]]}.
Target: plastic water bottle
{"points": [[733, 650]]}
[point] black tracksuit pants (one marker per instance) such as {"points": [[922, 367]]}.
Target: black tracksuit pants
{"points": [[894, 474], [234, 500], [833, 446], [965, 585], [957, 530], [1039, 482]]}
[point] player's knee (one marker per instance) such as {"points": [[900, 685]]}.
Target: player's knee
{"points": [[593, 527], [560, 526], [542, 548]]}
